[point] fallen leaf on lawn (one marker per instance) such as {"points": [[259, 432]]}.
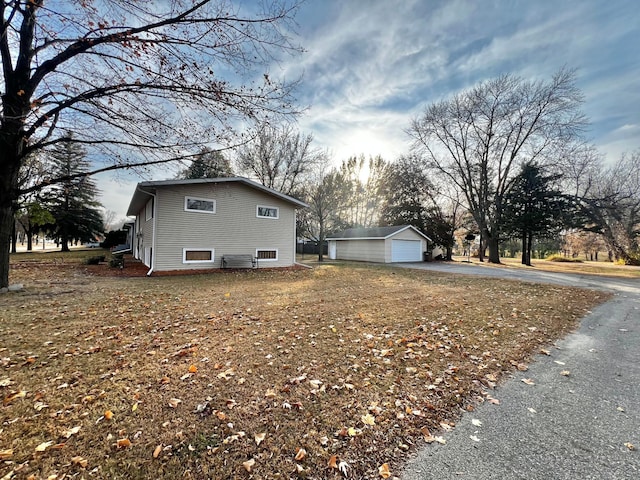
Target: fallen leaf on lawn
{"points": [[193, 369], [300, 454], [157, 451], [6, 454], [5, 382], [39, 406], [476, 422], [108, 415], [368, 419], [532, 410], [565, 373], [71, 431], [522, 367], [123, 443], [352, 432], [227, 373], [630, 446], [411, 369], [491, 377], [559, 362], [528, 381], [492, 400], [228, 295], [333, 462], [83, 462], [248, 465], [545, 351], [174, 402], [342, 468], [440, 440], [620, 409], [44, 445], [134, 407], [383, 470], [270, 393], [259, 438], [10, 398], [474, 438]]}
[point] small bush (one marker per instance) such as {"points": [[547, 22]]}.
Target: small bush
{"points": [[94, 260], [117, 261], [560, 258]]}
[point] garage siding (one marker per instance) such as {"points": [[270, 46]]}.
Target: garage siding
{"points": [[361, 250]]}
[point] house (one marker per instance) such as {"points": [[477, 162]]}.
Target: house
{"points": [[402, 243], [193, 224]]}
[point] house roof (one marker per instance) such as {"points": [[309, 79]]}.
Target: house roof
{"points": [[145, 189], [375, 233]]}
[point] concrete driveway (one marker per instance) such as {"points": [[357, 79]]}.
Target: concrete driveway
{"points": [[577, 426]]}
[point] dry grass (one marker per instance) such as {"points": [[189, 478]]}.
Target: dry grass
{"points": [[580, 268], [293, 372]]}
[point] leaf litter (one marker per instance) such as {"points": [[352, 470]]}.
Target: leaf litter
{"points": [[336, 372]]}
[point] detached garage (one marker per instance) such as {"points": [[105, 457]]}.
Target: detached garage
{"points": [[403, 243]]}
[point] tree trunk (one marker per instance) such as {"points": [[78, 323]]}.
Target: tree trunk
{"points": [[6, 218], [524, 249], [14, 239], [480, 248], [529, 248], [494, 249]]}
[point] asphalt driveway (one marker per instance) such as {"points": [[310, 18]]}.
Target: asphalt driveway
{"points": [[581, 418]]}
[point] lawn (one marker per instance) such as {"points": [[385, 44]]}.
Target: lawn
{"points": [[340, 371]]}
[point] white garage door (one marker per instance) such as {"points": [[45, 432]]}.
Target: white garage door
{"points": [[406, 251]]}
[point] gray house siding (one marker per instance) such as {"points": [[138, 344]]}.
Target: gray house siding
{"points": [[234, 228]]}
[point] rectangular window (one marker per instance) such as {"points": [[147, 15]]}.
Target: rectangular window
{"points": [[195, 204], [148, 210], [267, 254], [197, 255], [267, 212]]}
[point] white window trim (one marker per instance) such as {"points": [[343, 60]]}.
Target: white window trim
{"points": [[267, 259], [188, 197], [277, 209], [198, 249]]}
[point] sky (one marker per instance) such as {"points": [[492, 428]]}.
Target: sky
{"points": [[371, 66]]}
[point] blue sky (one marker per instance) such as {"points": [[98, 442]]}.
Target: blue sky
{"points": [[371, 66]]}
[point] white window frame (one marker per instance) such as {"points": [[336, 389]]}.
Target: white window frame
{"points": [[148, 210], [202, 199], [260, 260], [198, 249], [277, 209]]}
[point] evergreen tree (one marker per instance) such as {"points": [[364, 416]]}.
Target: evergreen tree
{"points": [[73, 202], [208, 164], [533, 207]]}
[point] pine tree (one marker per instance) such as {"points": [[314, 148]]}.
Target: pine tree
{"points": [[533, 207], [208, 164], [73, 202]]}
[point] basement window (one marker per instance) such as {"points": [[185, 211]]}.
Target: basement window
{"points": [[197, 255]]}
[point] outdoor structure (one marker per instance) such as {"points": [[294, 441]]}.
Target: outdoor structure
{"points": [[212, 223], [402, 243]]}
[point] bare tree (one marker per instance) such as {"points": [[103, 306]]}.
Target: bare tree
{"points": [[136, 82], [364, 181], [479, 138], [612, 208], [279, 157], [326, 196]]}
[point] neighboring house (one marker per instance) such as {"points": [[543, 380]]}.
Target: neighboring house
{"points": [[403, 243], [192, 224]]}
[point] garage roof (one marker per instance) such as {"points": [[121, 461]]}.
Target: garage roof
{"points": [[375, 233]]}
